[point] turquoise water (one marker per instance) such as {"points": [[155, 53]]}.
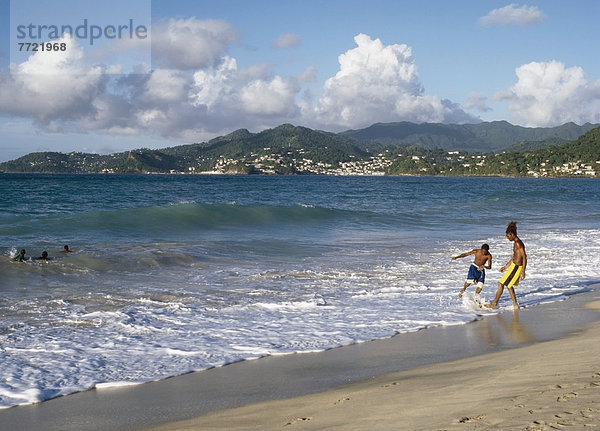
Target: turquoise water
{"points": [[170, 274]]}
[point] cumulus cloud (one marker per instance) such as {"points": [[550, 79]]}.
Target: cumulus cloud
{"points": [[287, 40], [274, 97], [52, 87], [550, 94], [200, 91], [211, 86], [165, 85], [513, 14], [190, 43], [375, 83], [234, 95]]}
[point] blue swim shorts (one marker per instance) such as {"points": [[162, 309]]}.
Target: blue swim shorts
{"points": [[475, 275]]}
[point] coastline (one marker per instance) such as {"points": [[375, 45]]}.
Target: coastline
{"points": [[379, 174], [220, 393], [548, 385]]}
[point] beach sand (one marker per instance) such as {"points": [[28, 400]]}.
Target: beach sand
{"points": [[537, 369], [544, 386]]}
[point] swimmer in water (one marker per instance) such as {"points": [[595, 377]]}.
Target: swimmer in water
{"points": [[44, 256], [21, 256]]}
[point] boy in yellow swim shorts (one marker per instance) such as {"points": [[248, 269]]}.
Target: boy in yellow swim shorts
{"points": [[516, 267]]}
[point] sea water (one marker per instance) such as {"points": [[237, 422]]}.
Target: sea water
{"points": [[170, 273]]}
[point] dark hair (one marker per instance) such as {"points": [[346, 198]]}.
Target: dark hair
{"points": [[485, 247], [512, 228]]}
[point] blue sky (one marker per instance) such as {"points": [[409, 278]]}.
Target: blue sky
{"points": [[212, 67]]}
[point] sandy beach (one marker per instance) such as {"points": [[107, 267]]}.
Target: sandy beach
{"points": [[544, 386]]}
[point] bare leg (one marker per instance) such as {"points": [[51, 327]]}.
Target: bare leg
{"points": [[494, 303], [460, 294], [514, 298], [477, 296]]}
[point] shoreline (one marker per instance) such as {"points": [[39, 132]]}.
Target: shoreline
{"points": [[199, 395], [534, 388], [383, 174]]}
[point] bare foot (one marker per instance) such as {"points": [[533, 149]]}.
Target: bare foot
{"points": [[491, 306]]}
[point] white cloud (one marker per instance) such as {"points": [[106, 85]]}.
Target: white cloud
{"points": [[378, 83], [236, 98], [64, 93], [190, 43], [167, 86], [274, 97], [309, 75], [214, 85], [549, 94], [476, 101], [52, 87], [287, 40], [513, 14]]}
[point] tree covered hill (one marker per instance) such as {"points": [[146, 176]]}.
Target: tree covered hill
{"points": [[283, 140], [288, 149], [578, 158], [483, 137]]}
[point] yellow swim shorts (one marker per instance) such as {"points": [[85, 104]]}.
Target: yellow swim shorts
{"points": [[512, 276]]}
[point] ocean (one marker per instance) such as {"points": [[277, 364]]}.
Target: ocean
{"points": [[170, 273]]}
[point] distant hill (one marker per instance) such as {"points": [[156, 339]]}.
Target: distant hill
{"points": [[229, 153], [317, 145], [580, 158], [536, 145], [483, 137], [289, 149]]}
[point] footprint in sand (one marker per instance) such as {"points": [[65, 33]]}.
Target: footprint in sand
{"points": [[466, 419], [587, 413], [566, 396], [298, 420], [537, 426]]}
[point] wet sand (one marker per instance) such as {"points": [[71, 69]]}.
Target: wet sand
{"points": [[535, 369], [546, 386]]}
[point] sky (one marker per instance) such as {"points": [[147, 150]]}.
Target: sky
{"points": [[126, 74]]}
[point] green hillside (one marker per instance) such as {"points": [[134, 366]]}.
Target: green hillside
{"points": [[483, 137], [578, 158], [288, 149]]}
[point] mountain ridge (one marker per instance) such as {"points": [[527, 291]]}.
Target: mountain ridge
{"points": [[289, 149], [481, 137]]}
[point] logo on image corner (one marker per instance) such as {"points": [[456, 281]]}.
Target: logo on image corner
{"points": [[84, 31]]}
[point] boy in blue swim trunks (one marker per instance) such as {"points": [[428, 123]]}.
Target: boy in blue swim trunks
{"points": [[516, 267], [476, 273]]}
